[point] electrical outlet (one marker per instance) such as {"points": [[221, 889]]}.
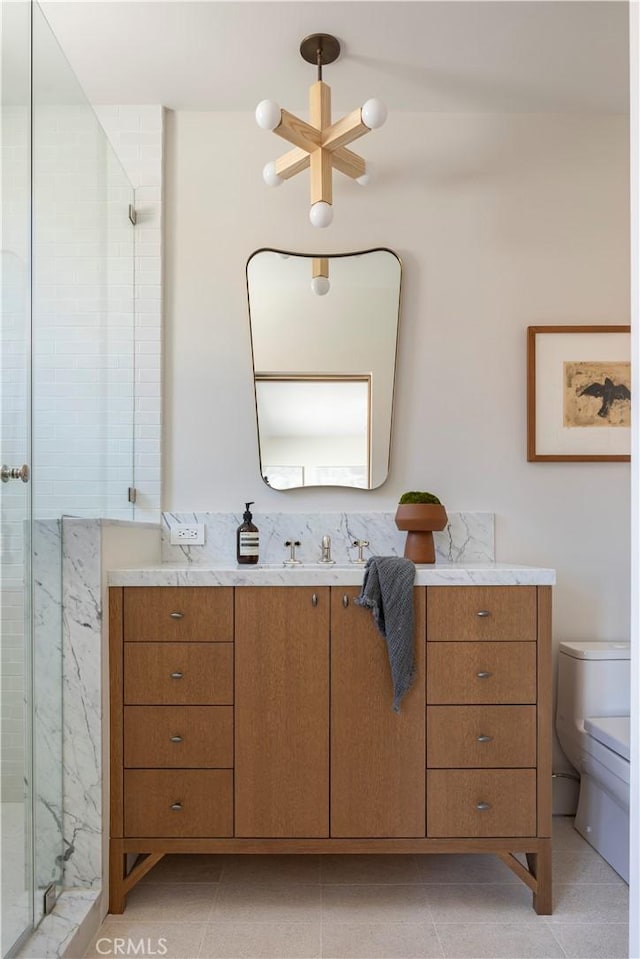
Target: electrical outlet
{"points": [[184, 535]]}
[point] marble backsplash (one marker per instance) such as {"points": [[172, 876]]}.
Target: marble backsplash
{"points": [[468, 537]]}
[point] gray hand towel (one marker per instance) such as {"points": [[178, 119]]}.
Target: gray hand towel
{"points": [[387, 590]]}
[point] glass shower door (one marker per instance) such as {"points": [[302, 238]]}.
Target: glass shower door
{"points": [[16, 781], [66, 410]]}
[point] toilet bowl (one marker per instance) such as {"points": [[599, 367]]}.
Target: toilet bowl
{"points": [[592, 722]]}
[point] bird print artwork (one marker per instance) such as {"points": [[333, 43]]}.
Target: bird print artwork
{"points": [[597, 394], [608, 391]]}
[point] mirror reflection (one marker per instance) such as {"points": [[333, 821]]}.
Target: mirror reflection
{"points": [[324, 333]]}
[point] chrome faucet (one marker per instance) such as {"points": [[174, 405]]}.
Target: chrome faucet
{"points": [[292, 561], [325, 556]]}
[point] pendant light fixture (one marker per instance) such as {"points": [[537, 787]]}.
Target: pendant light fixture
{"points": [[320, 144]]}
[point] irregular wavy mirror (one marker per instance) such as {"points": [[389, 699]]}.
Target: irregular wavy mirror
{"points": [[324, 365]]}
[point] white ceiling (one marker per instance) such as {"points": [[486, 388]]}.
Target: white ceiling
{"points": [[424, 55]]}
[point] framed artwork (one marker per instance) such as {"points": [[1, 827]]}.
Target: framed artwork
{"points": [[578, 393]]}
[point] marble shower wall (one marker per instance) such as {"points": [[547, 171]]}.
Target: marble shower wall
{"points": [[47, 700], [82, 696], [468, 537], [67, 671]]}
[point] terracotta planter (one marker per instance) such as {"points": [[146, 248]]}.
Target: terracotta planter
{"points": [[420, 520]]}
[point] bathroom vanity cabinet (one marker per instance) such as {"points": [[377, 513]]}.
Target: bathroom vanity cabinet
{"points": [[258, 719]]}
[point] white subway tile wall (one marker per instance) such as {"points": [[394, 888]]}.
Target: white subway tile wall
{"points": [[83, 317]]}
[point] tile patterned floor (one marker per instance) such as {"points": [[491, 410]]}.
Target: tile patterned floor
{"points": [[370, 907]]}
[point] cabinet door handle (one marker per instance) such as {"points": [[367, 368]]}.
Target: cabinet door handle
{"points": [[482, 613], [314, 600], [176, 807], [177, 615], [483, 674], [176, 675], [176, 739], [483, 806], [485, 739], [345, 600]]}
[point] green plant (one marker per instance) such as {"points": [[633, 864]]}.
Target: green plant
{"points": [[416, 497]]}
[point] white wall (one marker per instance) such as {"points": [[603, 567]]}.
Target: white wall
{"points": [[502, 221]]}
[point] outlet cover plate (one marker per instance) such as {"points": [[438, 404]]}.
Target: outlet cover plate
{"points": [[184, 534]]}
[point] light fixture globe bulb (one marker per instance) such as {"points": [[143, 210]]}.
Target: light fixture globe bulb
{"points": [[268, 114], [321, 214], [373, 114], [270, 176], [320, 285]]}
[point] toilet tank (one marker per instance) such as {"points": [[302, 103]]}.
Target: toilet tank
{"points": [[594, 679]]}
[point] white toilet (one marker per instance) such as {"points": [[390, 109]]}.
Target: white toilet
{"points": [[592, 722]]}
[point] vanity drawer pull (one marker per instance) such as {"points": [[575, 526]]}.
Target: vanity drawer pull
{"points": [[345, 600], [314, 600], [485, 739], [483, 806], [176, 615], [484, 674], [176, 739], [483, 613], [176, 675], [176, 807]]}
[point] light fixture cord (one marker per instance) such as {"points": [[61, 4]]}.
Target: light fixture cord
{"points": [[319, 61]]}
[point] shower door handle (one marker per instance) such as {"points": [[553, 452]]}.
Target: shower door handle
{"points": [[15, 472]]}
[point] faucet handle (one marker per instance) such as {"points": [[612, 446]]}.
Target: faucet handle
{"points": [[361, 544], [292, 543]]}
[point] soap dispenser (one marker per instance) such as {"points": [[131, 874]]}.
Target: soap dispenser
{"points": [[247, 539]]}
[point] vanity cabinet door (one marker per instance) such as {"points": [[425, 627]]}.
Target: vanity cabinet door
{"points": [[282, 712], [377, 756]]}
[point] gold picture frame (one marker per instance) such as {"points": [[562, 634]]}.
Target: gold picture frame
{"points": [[578, 394]]}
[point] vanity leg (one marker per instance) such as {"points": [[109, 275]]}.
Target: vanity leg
{"points": [[540, 867], [117, 867]]}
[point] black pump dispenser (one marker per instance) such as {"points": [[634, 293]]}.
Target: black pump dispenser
{"points": [[247, 539]]}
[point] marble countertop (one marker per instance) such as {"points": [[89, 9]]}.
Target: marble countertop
{"points": [[439, 574]]}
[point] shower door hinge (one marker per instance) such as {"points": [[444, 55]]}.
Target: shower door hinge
{"points": [[50, 896], [133, 216], [133, 492]]}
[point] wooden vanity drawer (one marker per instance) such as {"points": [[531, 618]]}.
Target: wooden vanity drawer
{"points": [[481, 736], [476, 803], [185, 614], [180, 673], [481, 613], [467, 673], [180, 736], [178, 802]]}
